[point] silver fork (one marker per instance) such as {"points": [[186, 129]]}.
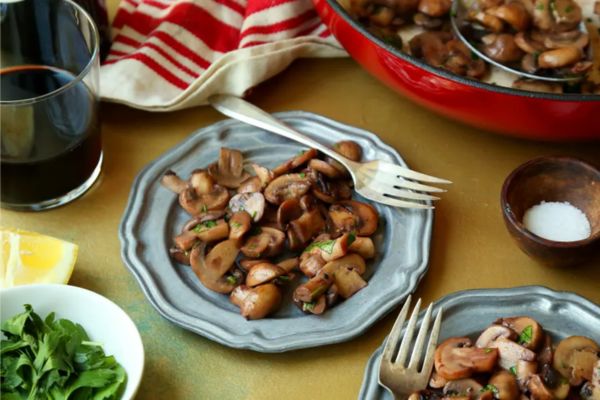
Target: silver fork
{"points": [[394, 374], [379, 181]]}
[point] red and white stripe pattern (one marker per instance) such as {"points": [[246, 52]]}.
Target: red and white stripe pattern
{"points": [[165, 52]]}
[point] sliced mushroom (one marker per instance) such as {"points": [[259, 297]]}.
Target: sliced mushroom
{"points": [[229, 171], [288, 210], [455, 358], [284, 187], [316, 307], [427, 22], [554, 381], [529, 331], [258, 302], [528, 44], [266, 242], [575, 38], [435, 8], [185, 240], [505, 385], [351, 261], [301, 158], [468, 388], [566, 13], [331, 191], [208, 216], [510, 352], [239, 223], [310, 264], [538, 390], [308, 225], [492, 333], [198, 205], [542, 17], [252, 203], [430, 46], [575, 357], [263, 273], [251, 184], [211, 268], [363, 246], [309, 291], [325, 168], [171, 181], [348, 281], [462, 61], [289, 264], [331, 249], [247, 263], [332, 295], [546, 353], [264, 174], [524, 371], [354, 216], [591, 389], [211, 231], [489, 21]]}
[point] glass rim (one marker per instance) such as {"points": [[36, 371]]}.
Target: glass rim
{"points": [[94, 56]]}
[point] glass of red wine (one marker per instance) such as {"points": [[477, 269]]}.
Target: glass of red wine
{"points": [[51, 150]]}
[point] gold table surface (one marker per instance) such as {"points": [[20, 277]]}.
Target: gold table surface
{"points": [[470, 246]]}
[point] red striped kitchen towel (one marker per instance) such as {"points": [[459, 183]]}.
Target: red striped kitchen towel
{"points": [[172, 54]]}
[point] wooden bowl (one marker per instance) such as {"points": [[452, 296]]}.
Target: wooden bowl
{"points": [[553, 179]]}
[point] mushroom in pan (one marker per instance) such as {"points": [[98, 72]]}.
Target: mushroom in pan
{"points": [[537, 86], [212, 268], [575, 358], [265, 242], [501, 47], [455, 358], [252, 203], [228, 171], [257, 302], [288, 186]]}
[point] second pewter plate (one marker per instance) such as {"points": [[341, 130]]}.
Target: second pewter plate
{"points": [[469, 312], [153, 216]]}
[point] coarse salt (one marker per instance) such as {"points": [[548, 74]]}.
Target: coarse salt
{"points": [[558, 221]]}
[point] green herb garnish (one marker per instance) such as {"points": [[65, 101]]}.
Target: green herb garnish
{"points": [[326, 246], [540, 7], [513, 370], [204, 226], [232, 280], [236, 225], [308, 306], [488, 350], [351, 238], [302, 175], [569, 8], [489, 388], [254, 215], [526, 335], [55, 359], [204, 208]]}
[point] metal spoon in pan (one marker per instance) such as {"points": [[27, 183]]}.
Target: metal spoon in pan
{"points": [[467, 32]]}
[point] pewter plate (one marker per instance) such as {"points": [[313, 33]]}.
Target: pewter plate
{"points": [[469, 312], [153, 217]]}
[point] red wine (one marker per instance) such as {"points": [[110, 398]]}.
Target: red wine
{"points": [[49, 147]]}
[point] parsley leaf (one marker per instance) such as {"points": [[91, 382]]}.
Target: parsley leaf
{"points": [[489, 388], [326, 246], [513, 370], [55, 359], [204, 226], [526, 335]]}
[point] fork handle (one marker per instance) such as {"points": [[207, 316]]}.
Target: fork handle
{"points": [[240, 109]]}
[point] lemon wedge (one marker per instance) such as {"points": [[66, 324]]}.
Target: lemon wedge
{"points": [[29, 257]]}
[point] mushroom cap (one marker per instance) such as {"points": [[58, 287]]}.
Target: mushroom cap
{"points": [[251, 184], [288, 186], [198, 205], [288, 210], [455, 358], [324, 168], [349, 148], [228, 171], [575, 358], [267, 242], [201, 181], [252, 203]]}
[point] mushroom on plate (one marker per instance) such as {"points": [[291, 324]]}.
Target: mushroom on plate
{"points": [[174, 183], [354, 216], [575, 358], [212, 268], [252, 203], [257, 302], [228, 171], [301, 158], [349, 149], [288, 186], [455, 358], [240, 222], [200, 204], [264, 242]]}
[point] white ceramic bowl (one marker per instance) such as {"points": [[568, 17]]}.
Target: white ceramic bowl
{"points": [[103, 320]]}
